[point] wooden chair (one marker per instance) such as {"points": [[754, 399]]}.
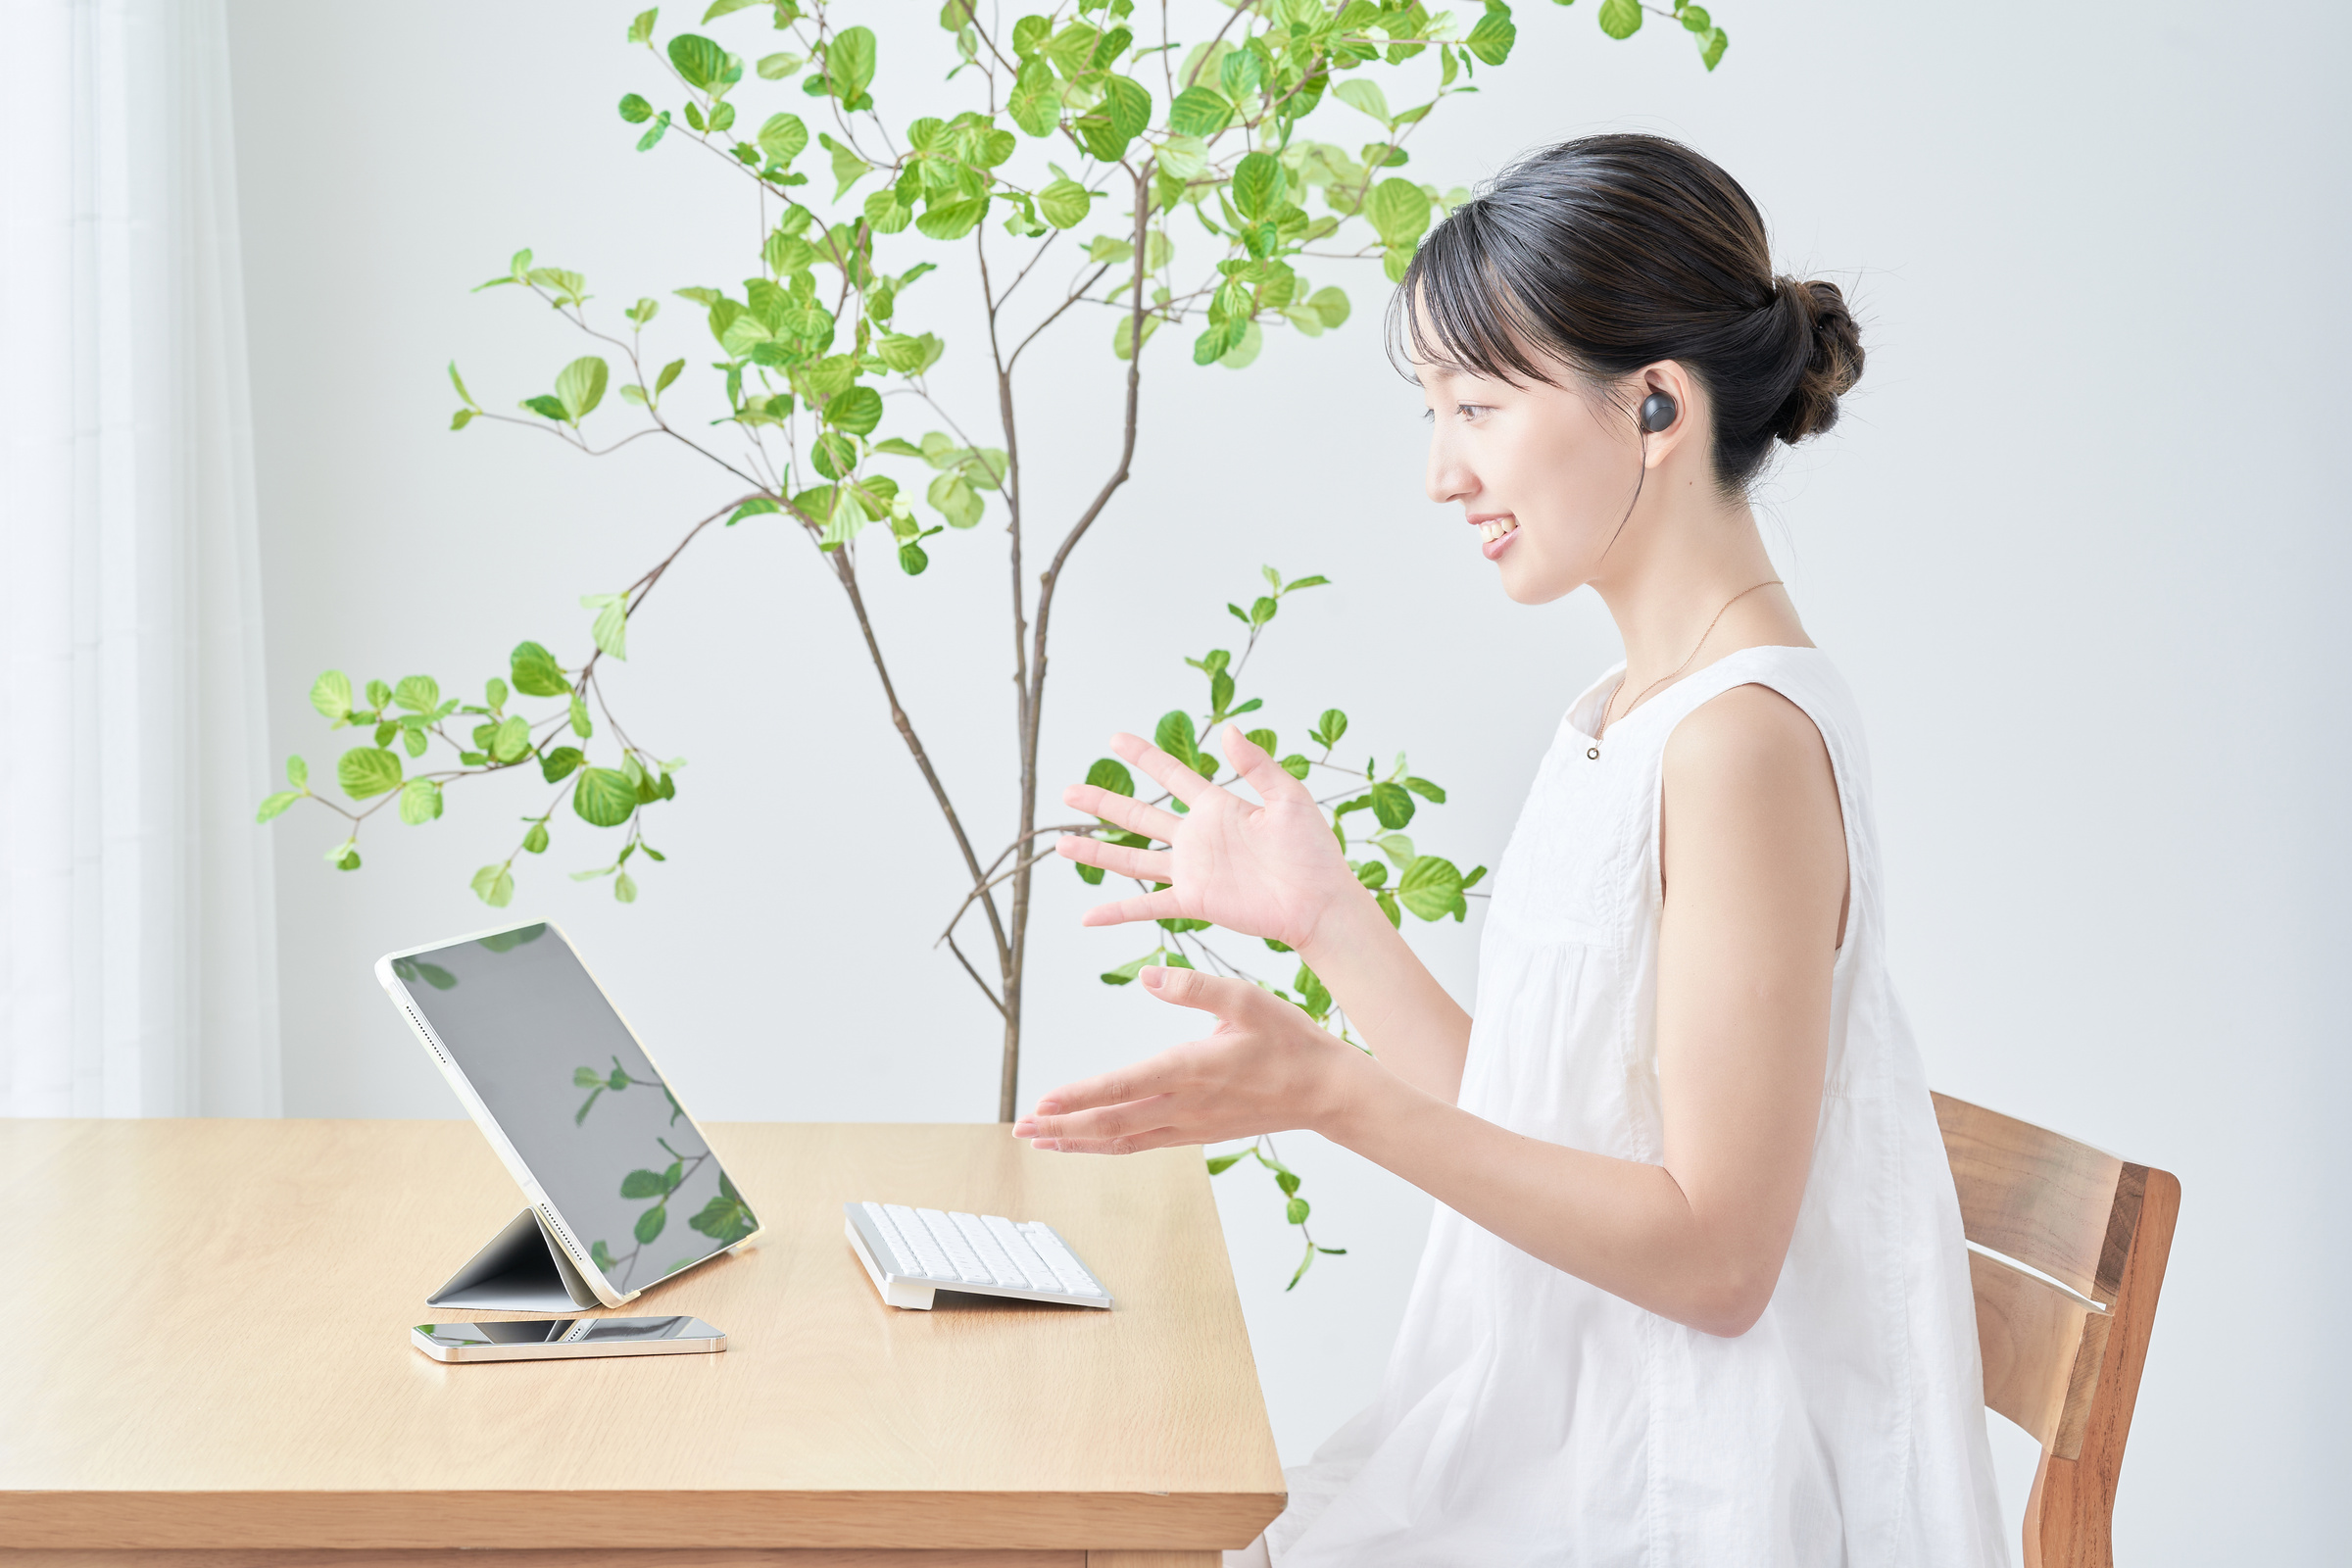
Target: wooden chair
{"points": [[2064, 1364]]}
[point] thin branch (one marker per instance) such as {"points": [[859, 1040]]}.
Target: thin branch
{"points": [[993, 1000]]}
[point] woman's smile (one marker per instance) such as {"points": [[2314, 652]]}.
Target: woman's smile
{"points": [[1496, 532]]}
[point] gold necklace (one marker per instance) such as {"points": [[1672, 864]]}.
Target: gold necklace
{"points": [[1606, 720]]}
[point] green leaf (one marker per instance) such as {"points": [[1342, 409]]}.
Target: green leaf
{"points": [[419, 801], [783, 137], [850, 61], [605, 797], [1431, 887], [652, 132], [1399, 209], [580, 717], [1331, 726], [1258, 184], [586, 1078], [641, 29], [1619, 18], [1492, 40], [1219, 1164], [775, 67], [536, 672], [1200, 112], [635, 110], [598, 1253], [952, 219], [1244, 347], [1711, 47], [1128, 103], [1331, 304], [1174, 736], [581, 386], [273, 806], [510, 742], [1426, 789], [1129, 971], [649, 1223], [1357, 92], [1391, 804], [955, 500], [418, 694], [367, 770], [624, 888], [720, 8], [1108, 773], [1296, 1210], [330, 694], [535, 840], [560, 763], [725, 1218], [494, 884], [700, 62], [1064, 204], [859, 409], [1035, 102], [848, 167], [1122, 336]]}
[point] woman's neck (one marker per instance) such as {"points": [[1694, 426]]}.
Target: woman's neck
{"points": [[1678, 586]]}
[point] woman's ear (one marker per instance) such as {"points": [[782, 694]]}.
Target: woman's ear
{"points": [[1669, 410]]}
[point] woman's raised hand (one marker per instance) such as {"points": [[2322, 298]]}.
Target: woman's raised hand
{"points": [[1272, 869]]}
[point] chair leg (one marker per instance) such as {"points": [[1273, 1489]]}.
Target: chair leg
{"points": [[2069, 1519]]}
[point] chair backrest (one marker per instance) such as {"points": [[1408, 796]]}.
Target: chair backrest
{"points": [[2062, 1360]]}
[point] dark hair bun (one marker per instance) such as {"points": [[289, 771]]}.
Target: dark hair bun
{"points": [[1832, 357]]}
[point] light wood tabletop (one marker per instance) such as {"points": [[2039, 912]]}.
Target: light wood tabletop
{"points": [[209, 1355]]}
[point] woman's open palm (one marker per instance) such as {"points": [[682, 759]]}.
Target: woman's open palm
{"points": [[1272, 869]]}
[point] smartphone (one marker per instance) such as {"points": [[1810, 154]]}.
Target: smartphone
{"points": [[546, 1338]]}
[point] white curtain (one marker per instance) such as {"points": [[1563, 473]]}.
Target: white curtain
{"points": [[137, 942]]}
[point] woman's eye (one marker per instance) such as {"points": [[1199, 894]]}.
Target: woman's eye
{"points": [[1472, 412]]}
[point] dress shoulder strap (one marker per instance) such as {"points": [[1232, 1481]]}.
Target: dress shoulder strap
{"points": [[1804, 675]]}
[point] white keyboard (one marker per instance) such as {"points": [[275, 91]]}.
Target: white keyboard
{"points": [[912, 1252]]}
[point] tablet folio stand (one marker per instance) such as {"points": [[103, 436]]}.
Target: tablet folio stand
{"points": [[522, 1270]]}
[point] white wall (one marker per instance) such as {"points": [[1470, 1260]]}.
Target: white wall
{"points": [[2077, 545]]}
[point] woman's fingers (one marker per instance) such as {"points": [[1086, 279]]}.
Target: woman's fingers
{"points": [[1257, 764], [1138, 1080], [1144, 865], [1105, 1121], [1128, 812], [1226, 995], [1161, 906], [1132, 1143], [1170, 774]]}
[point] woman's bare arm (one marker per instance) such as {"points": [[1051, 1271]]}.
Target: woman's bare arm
{"points": [[1755, 870]]}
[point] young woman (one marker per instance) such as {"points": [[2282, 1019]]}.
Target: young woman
{"points": [[1695, 1291]]}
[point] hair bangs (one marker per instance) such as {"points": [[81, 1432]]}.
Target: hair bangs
{"points": [[1455, 307]]}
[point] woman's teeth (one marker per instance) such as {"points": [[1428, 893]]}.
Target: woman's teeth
{"points": [[1490, 531]]}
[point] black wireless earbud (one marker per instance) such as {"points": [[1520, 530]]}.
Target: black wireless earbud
{"points": [[1657, 412]]}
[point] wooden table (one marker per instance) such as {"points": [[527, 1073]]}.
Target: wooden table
{"points": [[207, 1362]]}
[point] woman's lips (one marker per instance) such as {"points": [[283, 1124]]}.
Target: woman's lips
{"points": [[1496, 534]]}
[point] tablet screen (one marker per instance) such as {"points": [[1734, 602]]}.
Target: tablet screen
{"points": [[563, 1076]]}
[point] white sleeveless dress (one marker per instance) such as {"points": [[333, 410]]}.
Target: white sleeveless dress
{"points": [[1527, 1417]]}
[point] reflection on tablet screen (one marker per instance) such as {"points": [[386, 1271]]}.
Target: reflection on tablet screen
{"points": [[565, 1081]]}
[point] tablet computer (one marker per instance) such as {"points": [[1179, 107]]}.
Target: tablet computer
{"points": [[622, 1179]]}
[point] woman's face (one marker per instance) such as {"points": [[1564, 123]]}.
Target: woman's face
{"points": [[1543, 474]]}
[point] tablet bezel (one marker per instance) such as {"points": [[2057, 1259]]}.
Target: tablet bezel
{"points": [[476, 1107]]}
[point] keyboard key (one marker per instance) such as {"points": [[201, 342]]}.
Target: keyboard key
{"points": [[965, 1261], [930, 1261], [1066, 1268], [896, 1258], [999, 1267], [1034, 1270]]}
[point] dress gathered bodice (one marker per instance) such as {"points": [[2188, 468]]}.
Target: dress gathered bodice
{"points": [[1527, 1417]]}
